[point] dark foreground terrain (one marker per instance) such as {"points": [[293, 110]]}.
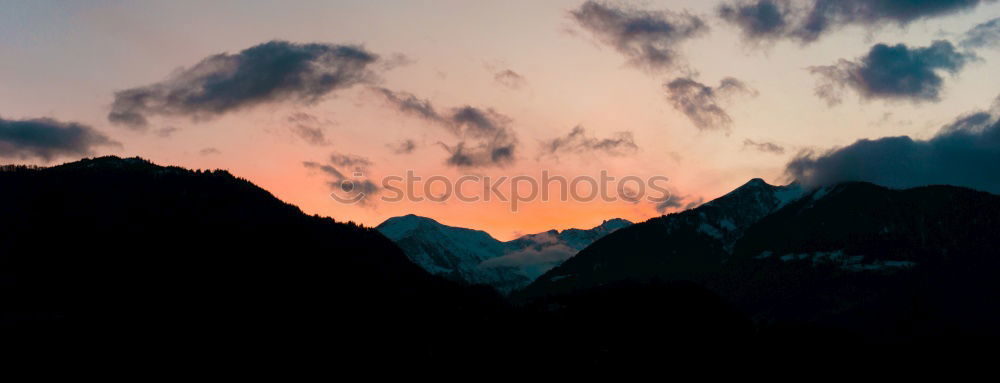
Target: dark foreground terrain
{"points": [[125, 257]]}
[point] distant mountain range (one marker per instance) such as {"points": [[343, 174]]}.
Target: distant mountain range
{"points": [[474, 256]]}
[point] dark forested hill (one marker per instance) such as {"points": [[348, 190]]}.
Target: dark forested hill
{"points": [[116, 249], [875, 263]]}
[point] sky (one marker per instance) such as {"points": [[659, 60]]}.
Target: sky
{"points": [[297, 96]]}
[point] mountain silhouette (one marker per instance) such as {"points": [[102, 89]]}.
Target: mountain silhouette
{"points": [[150, 261], [121, 258], [123, 251], [857, 260]]}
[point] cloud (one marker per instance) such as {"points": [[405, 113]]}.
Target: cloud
{"points": [[166, 132], [485, 154], [46, 139], [577, 141], [545, 253], [485, 136], [305, 126], [700, 103], [892, 72], [209, 151], [347, 189], [648, 39], [396, 60], [965, 153], [406, 146], [510, 79], [487, 139], [407, 103], [680, 203], [758, 20], [983, 35], [349, 160], [768, 147], [276, 71], [806, 21]]}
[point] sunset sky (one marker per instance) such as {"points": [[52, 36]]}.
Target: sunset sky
{"points": [[707, 93]]}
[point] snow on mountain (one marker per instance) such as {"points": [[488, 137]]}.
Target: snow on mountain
{"points": [[726, 217], [476, 257], [693, 239]]}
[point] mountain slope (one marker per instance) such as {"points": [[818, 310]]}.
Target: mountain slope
{"points": [[850, 261], [114, 248], [452, 252], [476, 257], [690, 242], [881, 262]]}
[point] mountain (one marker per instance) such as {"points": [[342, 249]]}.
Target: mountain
{"points": [[848, 262], [452, 252], [134, 256], [476, 257], [122, 259], [692, 241]]}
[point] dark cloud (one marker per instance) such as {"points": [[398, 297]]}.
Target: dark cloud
{"points": [[983, 35], [577, 141], [209, 151], [275, 71], [700, 102], [483, 154], [46, 139], [306, 127], [758, 20], [649, 39], [404, 147], [510, 79], [807, 20], [892, 72], [351, 188], [485, 136], [680, 203], [768, 147], [965, 152]]}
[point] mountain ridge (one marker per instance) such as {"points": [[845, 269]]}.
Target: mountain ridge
{"points": [[474, 256]]}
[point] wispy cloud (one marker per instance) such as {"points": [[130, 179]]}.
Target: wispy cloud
{"points": [[806, 21], [485, 136], [767, 147], [702, 103], [353, 187], [680, 203], [983, 35], [579, 142], [308, 128], [510, 79], [406, 146], [648, 39]]}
